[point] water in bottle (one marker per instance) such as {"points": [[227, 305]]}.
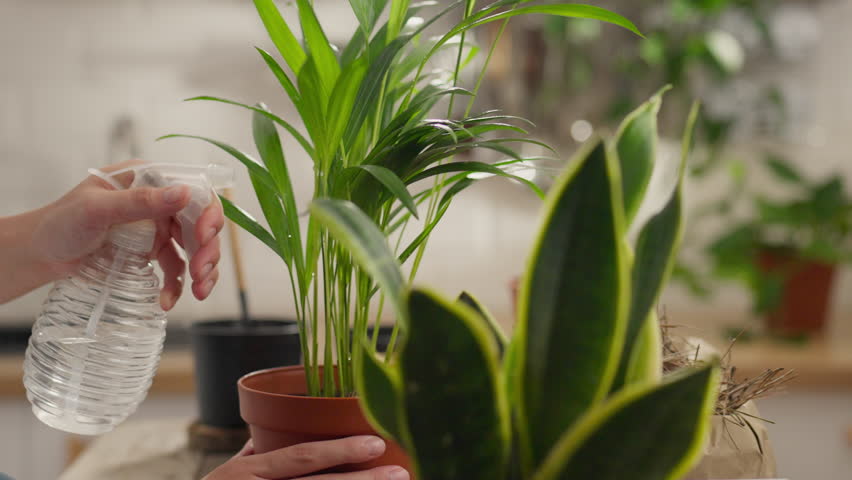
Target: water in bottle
{"points": [[97, 341]]}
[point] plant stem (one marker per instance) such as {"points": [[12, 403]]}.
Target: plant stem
{"points": [[482, 72], [315, 332], [433, 201], [328, 361]]}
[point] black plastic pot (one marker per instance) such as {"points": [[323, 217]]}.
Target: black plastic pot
{"points": [[384, 337], [225, 350]]}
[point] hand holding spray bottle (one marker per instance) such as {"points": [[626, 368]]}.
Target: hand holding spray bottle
{"points": [[97, 341]]}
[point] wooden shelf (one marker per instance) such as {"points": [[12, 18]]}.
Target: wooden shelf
{"points": [[819, 365], [174, 376]]}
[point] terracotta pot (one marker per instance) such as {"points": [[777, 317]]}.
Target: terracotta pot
{"points": [[279, 415], [806, 292]]}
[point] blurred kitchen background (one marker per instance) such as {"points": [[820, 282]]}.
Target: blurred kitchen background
{"points": [[85, 83]]}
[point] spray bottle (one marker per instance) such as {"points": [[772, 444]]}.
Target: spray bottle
{"points": [[97, 341]]}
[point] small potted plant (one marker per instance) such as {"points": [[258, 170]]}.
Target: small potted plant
{"points": [[787, 251], [579, 392], [374, 133]]}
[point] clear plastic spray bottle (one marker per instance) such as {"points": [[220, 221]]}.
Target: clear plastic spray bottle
{"points": [[96, 343]]}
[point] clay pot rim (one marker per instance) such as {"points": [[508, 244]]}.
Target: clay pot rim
{"points": [[268, 371]]}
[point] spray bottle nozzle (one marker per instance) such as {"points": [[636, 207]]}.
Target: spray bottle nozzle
{"points": [[202, 181]]}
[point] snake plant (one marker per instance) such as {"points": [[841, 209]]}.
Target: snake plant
{"points": [[379, 118], [578, 393]]}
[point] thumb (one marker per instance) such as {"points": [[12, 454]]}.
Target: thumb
{"points": [[123, 206]]}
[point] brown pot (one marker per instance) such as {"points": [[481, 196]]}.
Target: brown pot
{"points": [[807, 292], [279, 415]]}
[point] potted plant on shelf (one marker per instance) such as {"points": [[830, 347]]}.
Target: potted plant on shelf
{"points": [[579, 392], [364, 108], [787, 251]]}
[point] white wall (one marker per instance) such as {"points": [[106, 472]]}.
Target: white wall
{"points": [[70, 69]]}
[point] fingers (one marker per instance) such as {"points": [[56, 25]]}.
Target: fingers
{"points": [[106, 208], [202, 268], [305, 458], [173, 268], [202, 265], [210, 222], [201, 289], [379, 473]]}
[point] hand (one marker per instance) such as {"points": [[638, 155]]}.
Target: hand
{"points": [[77, 224], [300, 461]]}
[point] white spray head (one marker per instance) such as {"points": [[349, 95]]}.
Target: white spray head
{"points": [[202, 181]]}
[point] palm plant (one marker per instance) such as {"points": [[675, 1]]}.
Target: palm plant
{"points": [[578, 393], [367, 114]]}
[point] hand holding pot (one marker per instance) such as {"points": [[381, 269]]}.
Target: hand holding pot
{"points": [[300, 461]]}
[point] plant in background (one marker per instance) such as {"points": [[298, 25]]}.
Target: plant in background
{"points": [[373, 131], [578, 393], [781, 237], [690, 44], [714, 50]]}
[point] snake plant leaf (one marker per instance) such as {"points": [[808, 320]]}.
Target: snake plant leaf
{"points": [[306, 145], [281, 35], [511, 371], [282, 213], [380, 393], [457, 417], [249, 224], [636, 143], [319, 47], [495, 328], [658, 430], [646, 362], [656, 253], [573, 302], [655, 256], [367, 12], [362, 238], [394, 185]]}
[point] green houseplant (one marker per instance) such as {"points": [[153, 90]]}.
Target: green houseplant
{"points": [[578, 393], [373, 130], [365, 109], [785, 251]]}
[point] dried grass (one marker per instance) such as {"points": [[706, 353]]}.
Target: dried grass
{"points": [[733, 392]]}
